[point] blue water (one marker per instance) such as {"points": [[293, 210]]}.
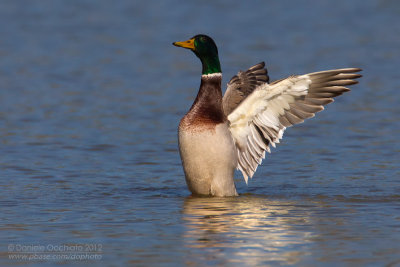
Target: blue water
{"points": [[91, 94]]}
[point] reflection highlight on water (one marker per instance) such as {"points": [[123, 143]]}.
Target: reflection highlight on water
{"points": [[251, 230], [254, 230]]}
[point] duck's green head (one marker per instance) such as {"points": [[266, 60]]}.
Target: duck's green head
{"points": [[204, 47]]}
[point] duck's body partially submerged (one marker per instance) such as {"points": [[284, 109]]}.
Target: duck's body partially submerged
{"points": [[206, 145], [219, 134]]}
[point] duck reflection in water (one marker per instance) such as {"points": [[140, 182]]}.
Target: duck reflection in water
{"points": [[247, 229]]}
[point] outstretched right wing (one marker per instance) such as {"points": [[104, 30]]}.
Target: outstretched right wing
{"points": [[263, 116]]}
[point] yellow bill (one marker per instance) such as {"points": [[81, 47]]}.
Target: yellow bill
{"points": [[186, 44]]}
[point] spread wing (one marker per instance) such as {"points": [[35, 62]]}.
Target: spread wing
{"points": [[242, 85], [262, 117]]}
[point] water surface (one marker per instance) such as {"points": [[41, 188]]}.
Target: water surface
{"points": [[91, 93]]}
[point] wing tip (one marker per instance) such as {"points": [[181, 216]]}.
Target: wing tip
{"points": [[357, 69], [348, 70]]}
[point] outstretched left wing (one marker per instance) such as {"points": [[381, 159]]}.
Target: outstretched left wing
{"points": [[243, 84], [262, 117]]}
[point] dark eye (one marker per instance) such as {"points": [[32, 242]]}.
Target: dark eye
{"points": [[203, 39]]}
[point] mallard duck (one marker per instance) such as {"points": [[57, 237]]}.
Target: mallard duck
{"points": [[222, 133]]}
